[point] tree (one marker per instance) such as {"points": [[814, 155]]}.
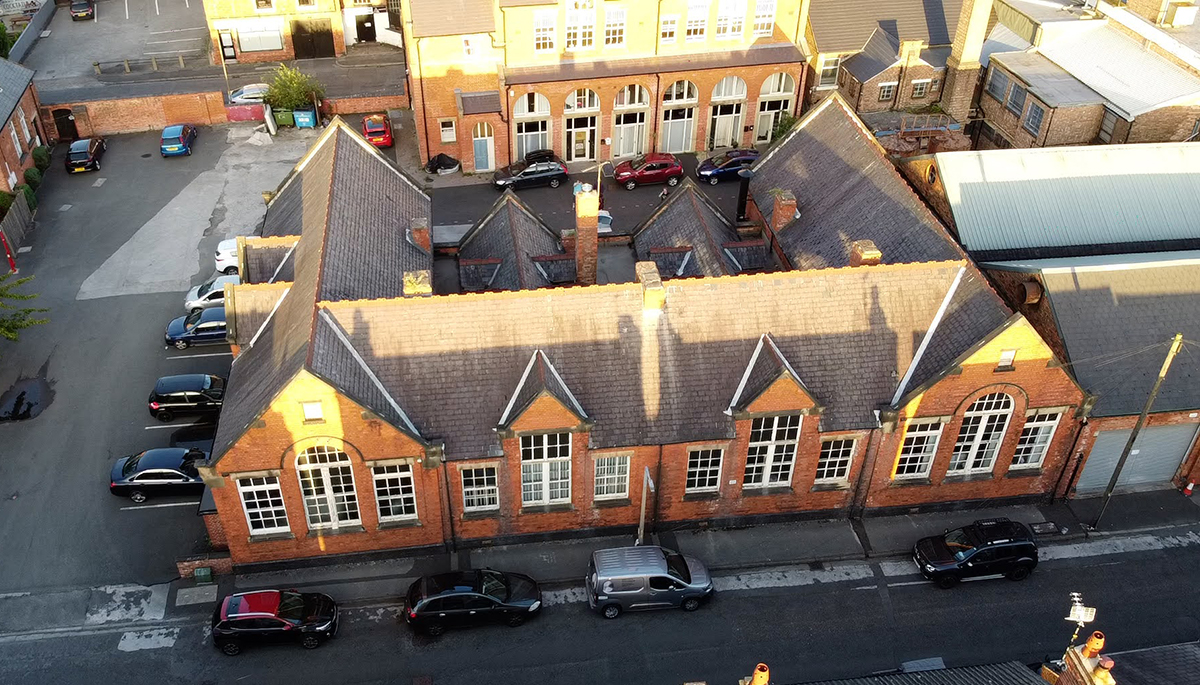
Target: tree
{"points": [[785, 124], [5, 41], [14, 318], [291, 88]]}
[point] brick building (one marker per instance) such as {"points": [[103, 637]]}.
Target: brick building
{"points": [[22, 129], [274, 30], [494, 79]]}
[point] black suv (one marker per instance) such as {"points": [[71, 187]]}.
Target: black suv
{"points": [[272, 617], [193, 393], [988, 547], [467, 598]]}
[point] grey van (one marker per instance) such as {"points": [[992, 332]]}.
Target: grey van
{"points": [[645, 577]]}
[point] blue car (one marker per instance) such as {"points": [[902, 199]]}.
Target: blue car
{"points": [[725, 165], [177, 140], [204, 327]]}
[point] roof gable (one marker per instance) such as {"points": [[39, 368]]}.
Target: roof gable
{"points": [[768, 371], [540, 379], [504, 250], [687, 235], [880, 53]]}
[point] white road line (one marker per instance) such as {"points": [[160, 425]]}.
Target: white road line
{"points": [[126, 9], [173, 40], [156, 7], [172, 52], [160, 506], [99, 182], [198, 356], [155, 638], [8, 595], [173, 425], [194, 28]]}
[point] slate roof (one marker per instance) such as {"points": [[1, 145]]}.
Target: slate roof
{"points": [[1008, 673], [451, 17], [540, 377], [767, 365], [266, 263], [688, 219], [772, 53], [846, 189], [1178, 664], [879, 53], [14, 80], [481, 102], [250, 307], [512, 233], [845, 25]]}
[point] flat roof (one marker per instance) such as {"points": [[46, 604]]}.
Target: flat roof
{"points": [[1046, 80]]}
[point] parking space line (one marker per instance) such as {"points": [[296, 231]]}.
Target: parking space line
{"points": [[156, 7], [174, 425], [165, 504], [193, 28], [126, 9], [172, 40], [172, 52], [197, 356]]}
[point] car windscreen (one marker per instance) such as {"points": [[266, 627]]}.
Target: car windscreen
{"points": [[291, 606], [374, 126], [677, 566], [193, 319], [79, 156], [638, 161], [517, 168], [494, 585], [205, 289], [77, 5], [130, 465], [960, 542]]}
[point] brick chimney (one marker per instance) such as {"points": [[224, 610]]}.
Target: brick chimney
{"points": [[654, 295], [962, 67], [864, 253], [418, 283], [783, 210], [587, 237], [418, 233]]}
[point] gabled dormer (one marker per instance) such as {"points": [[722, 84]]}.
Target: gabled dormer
{"points": [[541, 401], [511, 248], [770, 384]]}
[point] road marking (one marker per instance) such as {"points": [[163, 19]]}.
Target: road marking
{"points": [[122, 603], [194, 28], [10, 595], [195, 595], [173, 40], [174, 425], [126, 9], [23, 250], [63, 208], [156, 7], [99, 182], [198, 356], [159, 506], [174, 52], [155, 638]]}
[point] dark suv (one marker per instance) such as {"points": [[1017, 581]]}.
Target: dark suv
{"points": [[988, 547], [272, 617], [193, 393], [467, 598]]}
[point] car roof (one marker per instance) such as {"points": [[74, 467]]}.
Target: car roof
{"points": [[80, 145], [661, 157], [235, 279], [252, 87], [259, 602], [375, 118], [743, 153], [629, 561], [161, 458], [450, 583], [999, 530], [187, 381], [212, 314], [172, 130]]}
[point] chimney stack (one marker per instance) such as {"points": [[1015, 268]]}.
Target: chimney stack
{"points": [[418, 233], [783, 210], [1083, 664], [587, 236], [864, 253], [654, 295], [744, 177], [962, 67], [910, 52]]}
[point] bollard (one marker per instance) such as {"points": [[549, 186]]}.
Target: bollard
{"points": [[96, 66], [126, 65], [154, 63]]}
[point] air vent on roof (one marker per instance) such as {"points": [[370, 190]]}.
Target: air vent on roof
{"points": [[1180, 14]]}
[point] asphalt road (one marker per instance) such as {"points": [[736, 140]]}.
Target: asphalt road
{"points": [[803, 633]]}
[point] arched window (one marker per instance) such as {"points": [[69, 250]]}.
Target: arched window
{"points": [[327, 483], [730, 88], [632, 95], [981, 434], [778, 84], [482, 130], [531, 105], [583, 100], [680, 92]]}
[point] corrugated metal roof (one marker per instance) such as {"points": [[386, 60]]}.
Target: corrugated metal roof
{"points": [[845, 25], [1046, 80], [1129, 261], [1007, 200], [1009, 673]]}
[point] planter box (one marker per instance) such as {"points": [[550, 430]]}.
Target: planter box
{"points": [[284, 117]]}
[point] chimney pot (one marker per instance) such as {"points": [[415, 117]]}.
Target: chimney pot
{"points": [[783, 210], [587, 236], [568, 240], [864, 253], [654, 295], [1092, 647], [418, 233]]}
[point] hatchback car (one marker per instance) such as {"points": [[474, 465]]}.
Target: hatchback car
{"points": [[227, 258], [82, 9], [162, 471], [190, 394], [201, 327], [654, 167], [988, 547], [725, 166], [249, 94], [274, 617], [210, 294], [378, 130], [645, 577], [177, 140], [551, 173], [84, 155], [468, 598]]}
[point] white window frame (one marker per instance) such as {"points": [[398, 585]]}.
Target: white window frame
{"points": [[385, 490], [1036, 437], [1011, 104], [640, 97], [591, 101], [997, 85], [918, 448], [581, 29], [614, 27], [24, 124], [538, 101], [731, 19], [611, 475], [312, 411], [541, 455], [764, 18], [256, 41], [671, 20], [691, 93], [544, 30], [452, 130], [336, 506], [1034, 130], [924, 84], [488, 492], [828, 62], [259, 490], [978, 441], [730, 88], [839, 463], [1105, 134], [697, 21], [771, 452], [890, 89], [1007, 359], [12, 130], [710, 471]]}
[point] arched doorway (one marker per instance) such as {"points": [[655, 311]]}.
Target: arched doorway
{"points": [[725, 122], [629, 121], [64, 122], [581, 110], [774, 102], [679, 117], [483, 139]]}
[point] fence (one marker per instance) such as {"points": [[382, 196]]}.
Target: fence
{"points": [[16, 222], [37, 23]]}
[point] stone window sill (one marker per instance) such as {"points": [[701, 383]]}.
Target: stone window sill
{"points": [[400, 523], [700, 496], [776, 490], [830, 486], [611, 503], [969, 477], [271, 537], [329, 532], [312, 422], [481, 515], [1023, 473], [910, 482], [547, 508], [1004, 369]]}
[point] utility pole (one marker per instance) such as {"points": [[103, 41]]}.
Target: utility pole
{"points": [[1176, 343]]}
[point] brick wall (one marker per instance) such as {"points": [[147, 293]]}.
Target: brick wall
{"points": [[1150, 10], [233, 15], [216, 532], [921, 174], [1010, 285], [221, 565], [1189, 469], [364, 105], [866, 95], [1060, 126], [1164, 125], [18, 156], [109, 117]]}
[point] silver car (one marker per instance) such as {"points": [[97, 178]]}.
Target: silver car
{"points": [[250, 94], [645, 577], [211, 294]]}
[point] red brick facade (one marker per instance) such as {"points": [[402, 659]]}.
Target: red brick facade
{"points": [[17, 140], [110, 117], [912, 87]]}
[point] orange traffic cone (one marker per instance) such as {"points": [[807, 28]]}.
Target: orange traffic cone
{"points": [[1187, 491]]}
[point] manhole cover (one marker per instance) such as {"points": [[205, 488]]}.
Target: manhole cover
{"points": [[1046, 528], [146, 156]]}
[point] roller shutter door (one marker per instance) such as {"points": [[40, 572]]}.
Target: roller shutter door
{"points": [[1154, 460]]}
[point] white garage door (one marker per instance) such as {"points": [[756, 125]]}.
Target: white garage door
{"points": [[1154, 459]]}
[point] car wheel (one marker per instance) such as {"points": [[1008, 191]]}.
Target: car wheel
{"points": [[690, 604], [673, 181], [946, 582], [434, 629], [630, 185], [713, 180], [231, 648], [612, 611], [230, 270], [554, 183], [310, 642], [188, 152], [515, 620], [104, 147], [181, 344], [1019, 573], [137, 496], [165, 416]]}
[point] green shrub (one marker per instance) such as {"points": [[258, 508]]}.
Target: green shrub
{"points": [[6, 200], [291, 88], [41, 158], [33, 177], [30, 198]]}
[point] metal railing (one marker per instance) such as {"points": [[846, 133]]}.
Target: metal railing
{"points": [[923, 124]]}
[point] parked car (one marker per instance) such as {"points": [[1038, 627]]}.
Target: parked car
{"points": [[210, 294], [177, 140], [249, 94], [227, 259], [162, 471], [442, 164], [645, 577], [202, 327], [378, 130], [725, 166], [84, 155], [186, 394], [273, 617], [195, 437], [468, 598], [551, 173], [988, 547], [653, 167], [82, 9]]}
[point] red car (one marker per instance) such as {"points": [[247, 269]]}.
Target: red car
{"points": [[378, 130], [655, 167]]}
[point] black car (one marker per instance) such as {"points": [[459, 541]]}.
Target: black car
{"points": [[84, 155], [162, 471], [82, 9], [535, 156], [725, 166], [468, 598], [193, 393], [547, 172], [989, 547], [196, 437], [273, 617]]}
